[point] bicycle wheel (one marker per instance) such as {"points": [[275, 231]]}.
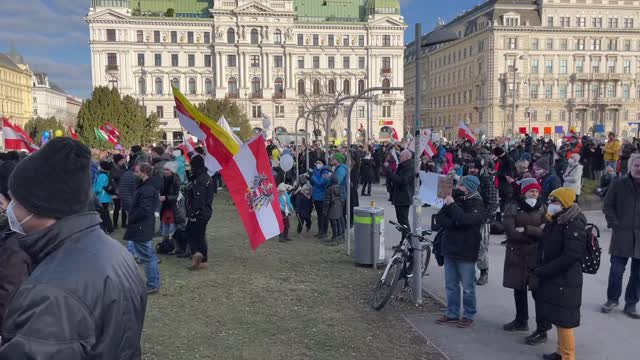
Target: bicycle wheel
{"points": [[386, 287], [425, 258]]}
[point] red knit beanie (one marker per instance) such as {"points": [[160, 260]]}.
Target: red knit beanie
{"points": [[529, 184]]}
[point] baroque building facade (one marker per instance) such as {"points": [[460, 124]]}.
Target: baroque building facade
{"points": [[273, 57], [50, 100], [556, 64], [15, 88]]}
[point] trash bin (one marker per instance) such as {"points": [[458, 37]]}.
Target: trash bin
{"points": [[368, 246]]}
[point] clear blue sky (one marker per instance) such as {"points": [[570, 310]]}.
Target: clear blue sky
{"points": [[53, 37]]}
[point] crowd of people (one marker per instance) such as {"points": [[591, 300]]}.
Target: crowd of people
{"points": [[528, 190]]}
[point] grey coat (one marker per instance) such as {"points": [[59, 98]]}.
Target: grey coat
{"points": [[622, 211]]}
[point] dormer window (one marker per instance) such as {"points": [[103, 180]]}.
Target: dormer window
{"points": [[511, 20]]}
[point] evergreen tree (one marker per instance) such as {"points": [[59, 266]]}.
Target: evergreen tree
{"points": [[125, 113], [36, 126], [235, 116]]}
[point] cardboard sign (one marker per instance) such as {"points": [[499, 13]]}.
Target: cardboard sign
{"points": [[434, 188]]}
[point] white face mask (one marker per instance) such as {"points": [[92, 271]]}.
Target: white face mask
{"points": [[572, 162], [531, 201], [554, 209], [318, 166], [14, 224]]}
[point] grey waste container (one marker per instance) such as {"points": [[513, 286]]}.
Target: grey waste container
{"points": [[368, 246]]}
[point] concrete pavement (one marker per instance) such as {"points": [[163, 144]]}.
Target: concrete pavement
{"points": [[600, 336]]}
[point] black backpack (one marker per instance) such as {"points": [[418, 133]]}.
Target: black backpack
{"points": [[593, 251]]}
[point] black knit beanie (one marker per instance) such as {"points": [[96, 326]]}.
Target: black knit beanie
{"points": [[197, 162], [64, 163]]}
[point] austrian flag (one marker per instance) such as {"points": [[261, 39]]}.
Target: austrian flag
{"points": [[15, 138], [250, 182]]}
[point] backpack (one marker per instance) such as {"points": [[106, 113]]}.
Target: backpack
{"points": [[593, 251], [165, 247]]}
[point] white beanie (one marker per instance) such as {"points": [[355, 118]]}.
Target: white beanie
{"points": [[171, 166]]}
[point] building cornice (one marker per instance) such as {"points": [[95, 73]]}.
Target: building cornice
{"points": [[155, 22]]}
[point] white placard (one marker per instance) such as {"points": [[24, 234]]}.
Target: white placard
{"points": [[429, 188]]}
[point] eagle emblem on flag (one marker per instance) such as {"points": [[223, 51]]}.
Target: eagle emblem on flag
{"points": [[260, 192]]}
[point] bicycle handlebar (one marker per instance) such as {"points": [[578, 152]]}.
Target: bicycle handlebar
{"points": [[405, 229]]}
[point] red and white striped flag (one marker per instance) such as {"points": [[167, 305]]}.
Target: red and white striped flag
{"points": [[72, 131], [15, 138], [111, 130], [250, 182], [394, 134], [465, 133]]}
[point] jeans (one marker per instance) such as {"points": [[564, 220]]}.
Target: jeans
{"points": [[198, 238], [483, 252], [323, 222], [337, 228], [402, 215], [614, 290], [456, 273], [117, 207], [132, 249], [167, 230], [147, 254]]}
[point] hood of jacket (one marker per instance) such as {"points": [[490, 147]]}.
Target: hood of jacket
{"points": [[567, 215], [43, 243]]}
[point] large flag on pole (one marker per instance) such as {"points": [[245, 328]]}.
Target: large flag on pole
{"points": [[219, 144], [15, 138], [250, 182], [225, 125], [465, 133], [103, 135], [72, 131]]}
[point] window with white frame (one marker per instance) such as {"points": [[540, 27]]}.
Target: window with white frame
{"points": [[549, 44], [628, 23], [595, 66], [581, 21], [564, 44], [300, 62], [535, 66], [580, 44], [231, 61], [626, 92], [279, 111], [548, 91], [613, 23], [611, 66], [562, 91], [547, 115], [256, 111], [386, 111], [611, 91], [596, 22], [278, 61], [548, 66], [579, 66], [597, 44], [564, 66], [511, 20], [511, 43], [565, 21], [626, 66], [534, 44]]}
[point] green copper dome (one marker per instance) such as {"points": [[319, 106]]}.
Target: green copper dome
{"points": [[383, 7]]}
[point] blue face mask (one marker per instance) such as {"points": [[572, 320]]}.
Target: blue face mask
{"points": [[14, 224]]}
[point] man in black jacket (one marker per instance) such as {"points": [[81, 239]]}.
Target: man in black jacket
{"points": [[505, 170], [461, 219], [199, 203], [622, 211], [402, 193], [85, 298], [489, 194], [142, 223], [118, 168]]}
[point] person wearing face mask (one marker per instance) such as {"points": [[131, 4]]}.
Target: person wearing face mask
{"points": [[461, 218], [559, 269], [522, 221], [546, 178], [573, 175], [85, 297], [15, 264]]}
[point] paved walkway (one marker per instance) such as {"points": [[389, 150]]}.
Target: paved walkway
{"points": [[600, 337]]}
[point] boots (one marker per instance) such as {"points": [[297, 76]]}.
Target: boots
{"points": [[484, 278], [516, 325], [537, 338], [196, 261], [609, 306], [630, 311]]}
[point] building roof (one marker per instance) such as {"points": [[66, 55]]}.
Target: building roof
{"points": [[329, 10], [383, 6], [182, 8], [5, 61]]}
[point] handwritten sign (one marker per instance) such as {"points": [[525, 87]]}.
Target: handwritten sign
{"points": [[434, 188]]}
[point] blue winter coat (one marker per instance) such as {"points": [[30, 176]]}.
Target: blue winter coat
{"points": [[341, 174], [320, 184], [285, 200], [181, 168], [102, 181]]}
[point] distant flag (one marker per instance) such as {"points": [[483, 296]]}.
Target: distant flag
{"points": [[225, 125], [15, 138], [266, 124], [465, 133], [394, 134], [72, 131], [111, 130], [102, 135]]}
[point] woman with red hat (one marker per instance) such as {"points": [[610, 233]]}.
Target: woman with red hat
{"points": [[522, 220]]}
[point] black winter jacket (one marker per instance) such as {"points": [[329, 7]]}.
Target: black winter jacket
{"points": [[126, 188], [15, 266], [462, 221], [402, 181], [506, 168], [559, 270], [489, 194], [622, 211], [84, 300], [142, 219], [199, 196]]}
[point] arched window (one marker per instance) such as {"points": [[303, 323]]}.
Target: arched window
{"points": [[346, 87], [192, 86], [231, 36], [142, 86], [175, 82], [332, 87], [113, 82], [208, 86], [316, 87], [232, 87], [256, 88], [386, 83], [277, 37], [360, 86], [255, 38], [301, 87], [159, 86], [278, 86]]}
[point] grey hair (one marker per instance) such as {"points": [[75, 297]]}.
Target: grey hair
{"points": [[406, 152], [632, 158]]}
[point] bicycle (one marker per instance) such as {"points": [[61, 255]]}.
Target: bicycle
{"points": [[400, 266]]}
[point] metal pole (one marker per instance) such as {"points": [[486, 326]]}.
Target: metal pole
{"points": [[513, 94], [417, 250]]}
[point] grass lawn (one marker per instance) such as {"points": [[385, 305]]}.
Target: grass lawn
{"points": [[297, 300]]}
